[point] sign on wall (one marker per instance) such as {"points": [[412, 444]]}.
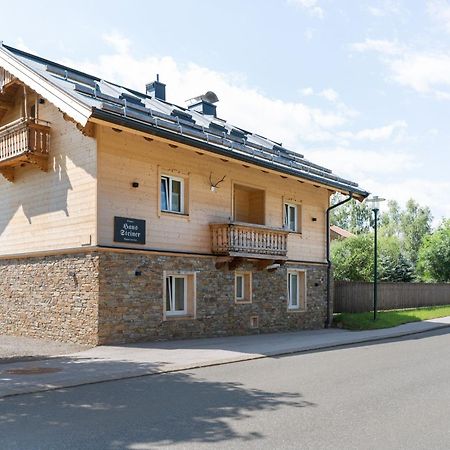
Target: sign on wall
{"points": [[129, 230]]}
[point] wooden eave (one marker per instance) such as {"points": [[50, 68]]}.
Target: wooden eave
{"points": [[51, 92]]}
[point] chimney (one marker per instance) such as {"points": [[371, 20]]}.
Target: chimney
{"points": [[204, 104], [156, 89]]}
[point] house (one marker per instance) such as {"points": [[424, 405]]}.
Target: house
{"points": [[338, 233], [124, 217]]}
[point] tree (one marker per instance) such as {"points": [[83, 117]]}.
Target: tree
{"points": [[415, 224], [390, 220], [434, 255], [352, 216], [393, 264], [353, 259]]}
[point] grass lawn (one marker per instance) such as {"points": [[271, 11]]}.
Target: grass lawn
{"points": [[387, 319]]}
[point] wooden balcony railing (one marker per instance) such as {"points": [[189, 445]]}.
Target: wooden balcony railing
{"points": [[248, 240], [23, 141]]}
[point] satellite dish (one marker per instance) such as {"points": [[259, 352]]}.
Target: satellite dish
{"points": [[210, 97]]}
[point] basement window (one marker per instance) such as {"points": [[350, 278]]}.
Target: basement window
{"points": [[296, 290], [179, 295], [243, 287]]}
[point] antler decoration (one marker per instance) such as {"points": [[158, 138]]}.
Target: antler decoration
{"points": [[216, 184]]}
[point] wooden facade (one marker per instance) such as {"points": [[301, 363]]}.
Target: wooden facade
{"points": [[53, 210], [90, 181], [126, 157]]}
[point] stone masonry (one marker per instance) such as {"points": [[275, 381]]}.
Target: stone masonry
{"points": [[53, 297], [117, 297], [131, 307]]}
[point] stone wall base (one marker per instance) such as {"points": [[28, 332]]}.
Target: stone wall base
{"points": [[108, 297], [52, 297]]}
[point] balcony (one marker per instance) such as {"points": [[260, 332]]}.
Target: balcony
{"points": [[23, 142], [245, 240]]}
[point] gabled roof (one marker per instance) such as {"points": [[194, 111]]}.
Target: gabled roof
{"points": [[85, 97]]}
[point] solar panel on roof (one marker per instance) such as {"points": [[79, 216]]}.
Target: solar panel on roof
{"points": [[84, 89], [182, 115], [131, 98], [70, 75], [217, 127]]}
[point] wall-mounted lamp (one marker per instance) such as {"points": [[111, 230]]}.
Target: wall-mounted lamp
{"points": [[214, 186], [135, 184]]}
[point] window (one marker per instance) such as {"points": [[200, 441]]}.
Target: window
{"points": [[179, 294], [296, 287], [292, 217], [243, 287], [172, 194], [176, 295]]}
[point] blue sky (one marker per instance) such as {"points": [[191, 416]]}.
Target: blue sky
{"points": [[362, 87]]}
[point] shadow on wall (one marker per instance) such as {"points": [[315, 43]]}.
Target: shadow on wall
{"points": [[54, 192], [149, 412]]}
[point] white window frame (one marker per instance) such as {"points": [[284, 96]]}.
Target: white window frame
{"points": [[240, 276], [299, 306], [287, 216], [170, 179], [246, 278], [171, 297]]}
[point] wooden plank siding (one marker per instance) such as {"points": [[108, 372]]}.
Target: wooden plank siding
{"points": [[124, 158], [353, 296], [56, 209]]}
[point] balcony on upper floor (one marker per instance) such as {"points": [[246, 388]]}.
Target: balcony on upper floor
{"points": [[24, 141], [241, 240]]}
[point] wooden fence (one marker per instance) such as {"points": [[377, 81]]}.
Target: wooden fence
{"points": [[350, 296]]}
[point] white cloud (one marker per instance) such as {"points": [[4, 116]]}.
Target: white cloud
{"points": [[20, 44], [307, 91], [386, 8], [120, 43], [394, 130], [359, 163], [439, 10], [432, 193], [309, 34], [426, 72], [293, 122], [329, 94], [382, 46], [312, 6]]}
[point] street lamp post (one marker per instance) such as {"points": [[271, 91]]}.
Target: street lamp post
{"points": [[375, 206]]}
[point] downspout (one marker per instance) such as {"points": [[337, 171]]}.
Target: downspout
{"points": [[328, 319]]}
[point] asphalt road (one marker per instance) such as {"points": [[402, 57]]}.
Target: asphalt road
{"points": [[387, 395]]}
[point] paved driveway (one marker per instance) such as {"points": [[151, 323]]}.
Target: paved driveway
{"points": [[17, 348]]}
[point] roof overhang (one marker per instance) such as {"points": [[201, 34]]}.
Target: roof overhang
{"points": [[60, 98], [127, 123]]}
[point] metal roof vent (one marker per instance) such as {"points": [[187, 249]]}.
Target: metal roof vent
{"points": [[156, 89], [204, 104]]}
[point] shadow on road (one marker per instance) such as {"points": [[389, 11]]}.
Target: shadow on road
{"points": [[146, 412]]}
